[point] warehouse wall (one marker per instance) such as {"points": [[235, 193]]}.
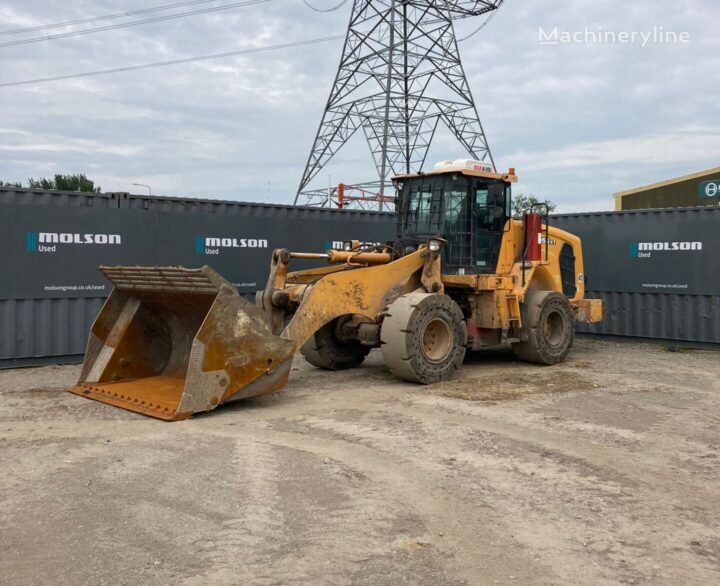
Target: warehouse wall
{"points": [[53, 242]]}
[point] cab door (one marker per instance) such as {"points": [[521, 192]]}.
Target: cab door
{"points": [[489, 218]]}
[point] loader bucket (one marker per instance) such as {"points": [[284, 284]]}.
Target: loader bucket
{"points": [[170, 342]]}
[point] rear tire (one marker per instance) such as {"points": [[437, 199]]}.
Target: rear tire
{"points": [[549, 323], [423, 337], [325, 350]]}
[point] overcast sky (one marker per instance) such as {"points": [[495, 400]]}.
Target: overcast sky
{"points": [[578, 120]]}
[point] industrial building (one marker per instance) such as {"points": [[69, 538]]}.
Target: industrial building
{"points": [[697, 189]]}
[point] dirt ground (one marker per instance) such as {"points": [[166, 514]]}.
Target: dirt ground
{"points": [[601, 471]]}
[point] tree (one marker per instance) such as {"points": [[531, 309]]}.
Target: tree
{"points": [[76, 182], [522, 203]]}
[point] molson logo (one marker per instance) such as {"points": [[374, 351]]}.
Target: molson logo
{"points": [[213, 245], [645, 249], [49, 241], [340, 244]]}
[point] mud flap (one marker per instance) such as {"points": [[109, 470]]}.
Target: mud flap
{"points": [[170, 342]]}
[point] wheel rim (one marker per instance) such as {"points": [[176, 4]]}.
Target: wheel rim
{"points": [[554, 329], [437, 340]]}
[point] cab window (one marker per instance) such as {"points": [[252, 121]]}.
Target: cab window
{"points": [[422, 213]]}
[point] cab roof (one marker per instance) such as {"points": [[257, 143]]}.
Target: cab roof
{"points": [[468, 167], [506, 177]]}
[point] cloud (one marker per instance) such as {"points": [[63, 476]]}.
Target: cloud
{"points": [[678, 147], [26, 142], [579, 122]]}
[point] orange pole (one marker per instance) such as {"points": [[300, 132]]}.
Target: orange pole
{"points": [[341, 194]]}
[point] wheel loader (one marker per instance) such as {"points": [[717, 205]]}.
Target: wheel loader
{"points": [[460, 275]]}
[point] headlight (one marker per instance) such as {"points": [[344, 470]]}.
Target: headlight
{"points": [[348, 246], [434, 245]]}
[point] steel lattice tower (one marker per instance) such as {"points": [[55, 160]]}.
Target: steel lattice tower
{"points": [[400, 75]]}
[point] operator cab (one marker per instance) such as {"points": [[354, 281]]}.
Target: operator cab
{"points": [[466, 203]]}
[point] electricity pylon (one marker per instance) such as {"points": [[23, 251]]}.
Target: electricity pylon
{"points": [[400, 75]]}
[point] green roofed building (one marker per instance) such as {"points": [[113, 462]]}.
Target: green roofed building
{"points": [[697, 189]]}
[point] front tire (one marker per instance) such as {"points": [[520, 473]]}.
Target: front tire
{"points": [[325, 350], [423, 337], [549, 324]]}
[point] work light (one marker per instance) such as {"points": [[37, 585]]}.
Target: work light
{"points": [[434, 245]]}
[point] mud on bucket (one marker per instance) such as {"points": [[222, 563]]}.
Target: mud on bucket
{"points": [[171, 341]]}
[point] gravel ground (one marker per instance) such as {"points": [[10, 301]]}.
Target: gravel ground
{"points": [[603, 470]]}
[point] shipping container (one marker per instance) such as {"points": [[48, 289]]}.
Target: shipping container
{"points": [[53, 242], [657, 271]]}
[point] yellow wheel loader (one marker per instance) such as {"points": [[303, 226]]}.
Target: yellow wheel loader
{"points": [[460, 275]]}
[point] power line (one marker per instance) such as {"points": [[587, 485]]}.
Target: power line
{"points": [[333, 9], [172, 62], [472, 34], [483, 25], [30, 29], [132, 23]]}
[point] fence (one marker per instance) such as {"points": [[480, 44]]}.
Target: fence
{"points": [[53, 242], [657, 271]]}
